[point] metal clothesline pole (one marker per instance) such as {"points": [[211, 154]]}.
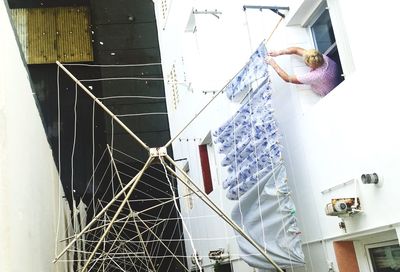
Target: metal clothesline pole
{"points": [[76, 237], [273, 31], [161, 242], [204, 107], [144, 245], [103, 106], [114, 241], [192, 186]]}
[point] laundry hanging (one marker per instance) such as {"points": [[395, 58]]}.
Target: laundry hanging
{"points": [[249, 142]]}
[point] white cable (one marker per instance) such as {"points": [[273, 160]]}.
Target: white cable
{"points": [[236, 175], [93, 153], [141, 114], [95, 169], [59, 162], [122, 78], [248, 30], [177, 209], [113, 65], [132, 96], [72, 156], [258, 179], [111, 150]]}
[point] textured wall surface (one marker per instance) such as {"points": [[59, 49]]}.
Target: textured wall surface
{"points": [[50, 34]]}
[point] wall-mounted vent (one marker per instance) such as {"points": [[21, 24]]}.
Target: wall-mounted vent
{"points": [[50, 34], [164, 9], [173, 82]]}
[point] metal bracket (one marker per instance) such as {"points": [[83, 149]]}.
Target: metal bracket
{"points": [[271, 8], [212, 12], [133, 214], [156, 152]]}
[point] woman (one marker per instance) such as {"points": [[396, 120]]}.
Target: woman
{"points": [[322, 77]]}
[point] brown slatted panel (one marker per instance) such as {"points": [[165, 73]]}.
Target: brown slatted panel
{"points": [[74, 39], [41, 36], [58, 34], [19, 17]]}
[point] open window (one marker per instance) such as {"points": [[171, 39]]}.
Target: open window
{"points": [[324, 38]]}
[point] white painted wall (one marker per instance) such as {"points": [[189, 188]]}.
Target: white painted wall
{"points": [[30, 192], [328, 141], [349, 132]]}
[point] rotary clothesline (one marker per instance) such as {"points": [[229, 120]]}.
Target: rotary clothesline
{"points": [[100, 227], [117, 189], [161, 155]]}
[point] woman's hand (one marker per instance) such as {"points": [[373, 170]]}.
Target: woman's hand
{"points": [[274, 53], [270, 61]]}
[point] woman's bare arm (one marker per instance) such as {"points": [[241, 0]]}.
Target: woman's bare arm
{"points": [[288, 51], [282, 73]]}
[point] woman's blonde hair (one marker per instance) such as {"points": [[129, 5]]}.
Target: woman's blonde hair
{"points": [[313, 58]]}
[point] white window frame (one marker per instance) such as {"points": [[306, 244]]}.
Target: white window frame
{"points": [[305, 14], [316, 15], [376, 245], [371, 238], [342, 41]]}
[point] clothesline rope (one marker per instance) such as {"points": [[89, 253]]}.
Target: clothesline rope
{"points": [[122, 78], [114, 65]]}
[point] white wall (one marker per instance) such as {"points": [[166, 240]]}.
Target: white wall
{"points": [[328, 141], [30, 192], [349, 132]]}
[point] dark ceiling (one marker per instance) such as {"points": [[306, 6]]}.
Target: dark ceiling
{"points": [[124, 32]]}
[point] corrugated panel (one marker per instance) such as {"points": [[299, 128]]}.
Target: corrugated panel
{"points": [[50, 34], [41, 36], [74, 39], [19, 17]]}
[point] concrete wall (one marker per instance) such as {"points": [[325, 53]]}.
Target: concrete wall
{"points": [[327, 141], [30, 192]]}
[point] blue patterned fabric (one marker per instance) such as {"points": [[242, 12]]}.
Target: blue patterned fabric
{"points": [[254, 70], [249, 141], [252, 155]]}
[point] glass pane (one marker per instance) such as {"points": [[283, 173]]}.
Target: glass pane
{"points": [[323, 32], [385, 259]]}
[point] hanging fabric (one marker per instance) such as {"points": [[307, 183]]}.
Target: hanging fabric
{"points": [[249, 142], [282, 241]]}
